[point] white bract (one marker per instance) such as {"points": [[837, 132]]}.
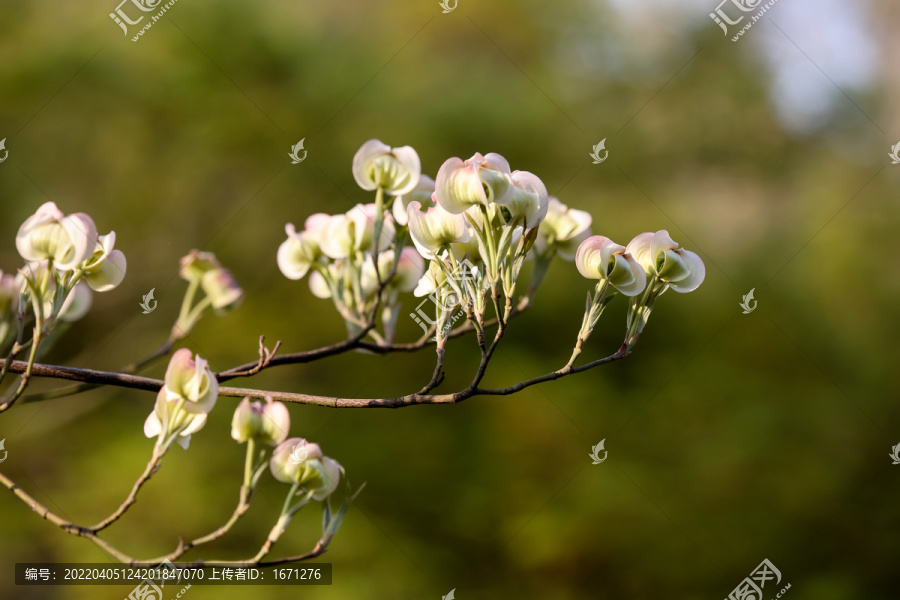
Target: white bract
{"points": [[480, 180], [528, 201], [662, 257], [601, 258], [49, 234], [189, 394], [394, 170], [105, 269], [434, 229], [345, 235], [302, 249]]}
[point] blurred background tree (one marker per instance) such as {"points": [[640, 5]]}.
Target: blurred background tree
{"points": [[731, 437]]}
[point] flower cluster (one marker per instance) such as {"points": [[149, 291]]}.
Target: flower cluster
{"points": [[65, 262], [472, 229], [339, 251]]}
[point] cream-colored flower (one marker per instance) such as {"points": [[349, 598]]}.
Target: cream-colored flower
{"points": [[600, 258], [168, 417], [49, 234], [302, 249], [105, 269], [480, 180], [661, 256], [564, 228], [190, 379], [395, 170], [433, 229], [354, 231], [528, 200], [267, 422]]}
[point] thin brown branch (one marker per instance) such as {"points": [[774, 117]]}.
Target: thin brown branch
{"points": [[154, 385]]}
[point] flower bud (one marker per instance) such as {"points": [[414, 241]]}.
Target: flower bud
{"points": [[395, 170], [196, 264], [191, 380], [105, 269], [600, 258], [267, 423], [222, 289], [297, 461], [49, 234], [664, 258]]}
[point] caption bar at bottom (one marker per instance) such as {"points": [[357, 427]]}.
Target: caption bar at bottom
{"points": [[106, 574]]}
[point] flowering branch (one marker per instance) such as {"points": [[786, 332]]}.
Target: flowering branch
{"points": [[472, 229]]}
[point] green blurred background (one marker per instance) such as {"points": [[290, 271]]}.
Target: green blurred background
{"points": [[732, 438]]}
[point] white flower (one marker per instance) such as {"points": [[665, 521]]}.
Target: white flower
{"points": [[395, 170], [354, 231], [422, 193], [528, 199], [600, 258], [188, 395], [191, 379], [168, 417], [480, 180], [49, 234], [105, 269], [661, 256], [302, 249], [297, 461], [435, 228], [563, 227]]}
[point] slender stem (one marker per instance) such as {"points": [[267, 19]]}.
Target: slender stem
{"points": [[159, 450], [35, 343], [87, 533]]}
